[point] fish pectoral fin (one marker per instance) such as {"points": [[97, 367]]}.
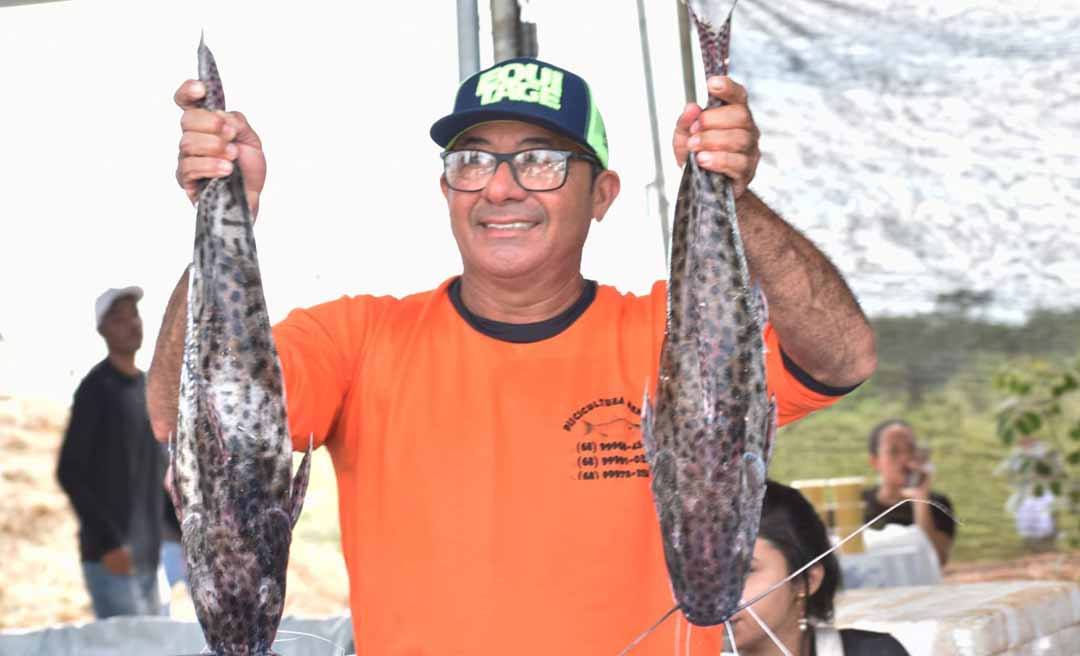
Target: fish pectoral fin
{"points": [[212, 416], [300, 482], [770, 432], [170, 479], [647, 437]]}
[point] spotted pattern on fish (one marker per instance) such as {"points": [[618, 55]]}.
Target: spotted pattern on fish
{"points": [[708, 438], [232, 454]]}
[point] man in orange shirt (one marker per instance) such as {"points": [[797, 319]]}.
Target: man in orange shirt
{"points": [[486, 434]]}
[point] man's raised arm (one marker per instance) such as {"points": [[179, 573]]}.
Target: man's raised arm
{"points": [[815, 315]]}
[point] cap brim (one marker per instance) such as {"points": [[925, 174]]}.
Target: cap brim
{"points": [[447, 129]]}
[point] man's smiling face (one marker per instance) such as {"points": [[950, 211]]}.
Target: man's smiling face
{"points": [[505, 231]]}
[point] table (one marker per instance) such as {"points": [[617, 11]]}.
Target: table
{"points": [[895, 556]]}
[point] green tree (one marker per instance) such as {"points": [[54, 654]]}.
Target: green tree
{"points": [[1042, 402]]}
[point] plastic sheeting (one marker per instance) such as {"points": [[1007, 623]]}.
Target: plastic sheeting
{"points": [[1007, 618], [927, 146], [160, 636]]}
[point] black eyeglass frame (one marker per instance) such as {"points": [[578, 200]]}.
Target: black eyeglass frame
{"points": [[509, 159]]}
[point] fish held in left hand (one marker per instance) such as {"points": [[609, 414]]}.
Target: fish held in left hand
{"points": [[231, 457]]}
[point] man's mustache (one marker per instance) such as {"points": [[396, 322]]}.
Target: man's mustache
{"points": [[484, 213]]}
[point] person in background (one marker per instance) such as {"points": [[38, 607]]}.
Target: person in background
{"points": [[905, 473], [800, 612], [1032, 467], [111, 468]]}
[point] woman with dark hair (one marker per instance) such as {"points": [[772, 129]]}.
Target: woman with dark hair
{"points": [[799, 613], [905, 473]]}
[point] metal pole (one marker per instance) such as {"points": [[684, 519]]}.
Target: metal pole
{"points": [[468, 38], [657, 184], [12, 3], [685, 49], [504, 28], [527, 43]]}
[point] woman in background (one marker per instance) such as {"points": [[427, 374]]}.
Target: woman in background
{"points": [[799, 612]]}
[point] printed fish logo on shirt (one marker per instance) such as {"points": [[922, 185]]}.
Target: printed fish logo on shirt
{"points": [[232, 455], [613, 429]]}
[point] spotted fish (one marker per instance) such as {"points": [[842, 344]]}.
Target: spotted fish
{"points": [[708, 438], [232, 456]]}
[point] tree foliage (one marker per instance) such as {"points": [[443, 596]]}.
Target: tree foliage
{"points": [[1042, 404]]}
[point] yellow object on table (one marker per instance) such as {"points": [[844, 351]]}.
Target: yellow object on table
{"points": [[814, 491], [848, 511], [839, 503]]}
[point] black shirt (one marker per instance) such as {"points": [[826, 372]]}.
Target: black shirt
{"points": [[113, 469], [866, 643], [905, 514]]}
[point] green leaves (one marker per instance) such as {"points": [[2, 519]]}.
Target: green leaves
{"points": [[1068, 384], [1042, 411], [1028, 423]]}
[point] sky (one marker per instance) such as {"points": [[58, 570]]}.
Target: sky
{"points": [[342, 96]]}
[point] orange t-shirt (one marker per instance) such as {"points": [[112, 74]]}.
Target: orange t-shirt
{"points": [[494, 496]]}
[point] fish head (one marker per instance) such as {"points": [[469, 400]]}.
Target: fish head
{"points": [[238, 583]]}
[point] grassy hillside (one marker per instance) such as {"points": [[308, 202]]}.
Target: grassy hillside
{"points": [[936, 372], [832, 443]]}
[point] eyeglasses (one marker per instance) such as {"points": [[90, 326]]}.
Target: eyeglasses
{"points": [[538, 169]]}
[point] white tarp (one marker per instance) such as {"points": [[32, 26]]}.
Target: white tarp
{"points": [[161, 636], [927, 146]]}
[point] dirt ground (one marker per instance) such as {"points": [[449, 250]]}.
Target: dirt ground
{"points": [[39, 543], [40, 565]]}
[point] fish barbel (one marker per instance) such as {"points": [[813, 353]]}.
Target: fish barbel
{"points": [[708, 438], [232, 454]]}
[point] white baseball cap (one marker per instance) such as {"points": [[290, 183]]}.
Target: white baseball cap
{"points": [[105, 301]]}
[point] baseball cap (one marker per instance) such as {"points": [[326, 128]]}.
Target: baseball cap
{"points": [[105, 301], [529, 90]]}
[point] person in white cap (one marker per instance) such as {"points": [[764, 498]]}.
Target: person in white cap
{"points": [[112, 469]]}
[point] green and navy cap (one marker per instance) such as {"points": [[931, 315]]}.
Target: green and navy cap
{"points": [[529, 90]]}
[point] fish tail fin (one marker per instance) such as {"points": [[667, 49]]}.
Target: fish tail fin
{"points": [[714, 36], [588, 426], [208, 75], [300, 482]]}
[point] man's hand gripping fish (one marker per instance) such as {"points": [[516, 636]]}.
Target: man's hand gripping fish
{"points": [[232, 455], [709, 435]]}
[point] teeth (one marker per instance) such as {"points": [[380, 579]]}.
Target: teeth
{"points": [[509, 226]]}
